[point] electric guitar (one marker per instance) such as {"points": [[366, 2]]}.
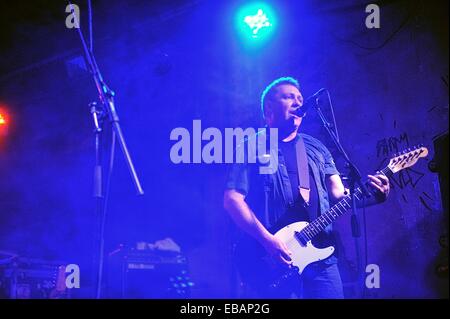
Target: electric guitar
{"points": [[259, 271]]}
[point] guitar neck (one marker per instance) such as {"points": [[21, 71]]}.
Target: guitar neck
{"points": [[337, 210], [403, 160]]}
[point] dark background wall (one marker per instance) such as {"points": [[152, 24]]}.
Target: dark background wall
{"points": [[176, 61]]}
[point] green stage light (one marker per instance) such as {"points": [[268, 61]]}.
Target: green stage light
{"points": [[255, 22]]}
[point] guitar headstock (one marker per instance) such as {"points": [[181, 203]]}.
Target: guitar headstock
{"points": [[407, 158]]}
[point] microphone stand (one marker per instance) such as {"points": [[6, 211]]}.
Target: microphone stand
{"points": [[98, 116], [355, 182], [106, 96]]}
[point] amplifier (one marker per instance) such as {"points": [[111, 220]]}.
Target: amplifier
{"points": [[25, 278], [148, 274]]}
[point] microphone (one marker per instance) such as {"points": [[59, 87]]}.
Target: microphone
{"points": [[310, 101]]}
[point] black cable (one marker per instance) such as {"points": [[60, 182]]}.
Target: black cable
{"points": [[386, 41], [383, 43]]}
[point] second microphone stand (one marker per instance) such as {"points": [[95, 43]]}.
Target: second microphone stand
{"points": [[355, 182]]}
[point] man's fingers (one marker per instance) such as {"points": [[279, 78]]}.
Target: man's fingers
{"points": [[380, 182], [379, 178], [377, 186], [384, 180], [286, 249], [374, 179], [284, 260], [286, 254]]}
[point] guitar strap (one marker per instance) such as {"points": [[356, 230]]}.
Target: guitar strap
{"points": [[303, 171], [267, 187], [267, 181]]}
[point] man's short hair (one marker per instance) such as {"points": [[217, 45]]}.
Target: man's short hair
{"points": [[270, 89]]}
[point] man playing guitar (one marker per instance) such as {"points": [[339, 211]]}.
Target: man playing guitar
{"points": [[244, 197]]}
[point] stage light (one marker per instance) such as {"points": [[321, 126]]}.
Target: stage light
{"points": [[255, 22], [4, 121]]}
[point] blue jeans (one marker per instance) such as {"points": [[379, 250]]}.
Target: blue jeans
{"points": [[322, 281], [318, 281]]}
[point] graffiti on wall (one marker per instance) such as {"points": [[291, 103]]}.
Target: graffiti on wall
{"points": [[408, 177]]}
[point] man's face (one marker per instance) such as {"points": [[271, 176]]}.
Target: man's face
{"points": [[286, 99]]}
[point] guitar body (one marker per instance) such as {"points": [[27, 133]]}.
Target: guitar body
{"points": [[302, 255], [260, 272]]}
